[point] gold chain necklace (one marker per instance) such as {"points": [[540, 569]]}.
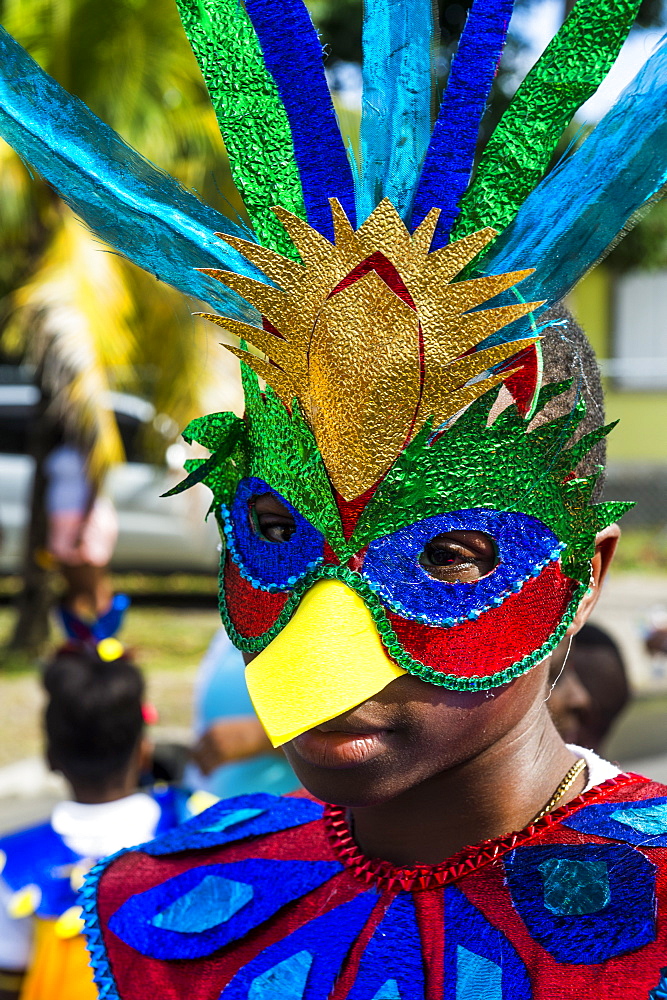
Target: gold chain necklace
{"points": [[564, 786]]}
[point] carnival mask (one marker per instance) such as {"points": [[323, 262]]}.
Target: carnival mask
{"points": [[378, 516], [372, 292]]}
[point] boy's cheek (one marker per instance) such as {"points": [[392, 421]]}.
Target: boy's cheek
{"points": [[435, 730]]}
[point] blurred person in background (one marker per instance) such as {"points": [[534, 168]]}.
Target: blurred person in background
{"points": [[82, 533], [233, 754], [95, 737], [590, 687]]}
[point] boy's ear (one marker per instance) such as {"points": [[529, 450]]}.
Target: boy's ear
{"points": [[605, 547]]}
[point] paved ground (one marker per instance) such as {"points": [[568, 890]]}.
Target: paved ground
{"points": [[626, 605]]}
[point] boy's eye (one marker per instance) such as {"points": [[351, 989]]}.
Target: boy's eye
{"points": [[459, 556], [270, 519]]}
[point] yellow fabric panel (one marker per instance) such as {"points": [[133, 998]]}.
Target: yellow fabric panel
{"points": [[59, 969]]}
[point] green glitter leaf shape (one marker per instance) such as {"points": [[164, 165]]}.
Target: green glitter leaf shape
{"points": [[225, 436], [269, 444], [499, 466], [283, 452]]}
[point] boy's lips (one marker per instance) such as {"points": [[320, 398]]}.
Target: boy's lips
{"points": [[341, 743]]}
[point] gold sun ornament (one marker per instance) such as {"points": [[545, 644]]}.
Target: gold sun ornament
{"points": [[372, 335]]}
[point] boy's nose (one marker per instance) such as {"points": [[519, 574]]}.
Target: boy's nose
{"points": [[328, 659]]}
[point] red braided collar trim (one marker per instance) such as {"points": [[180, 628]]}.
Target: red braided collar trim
{"points": [[384, 875]]}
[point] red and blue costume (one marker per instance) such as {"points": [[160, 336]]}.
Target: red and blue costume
{"points": [[261, 898]]}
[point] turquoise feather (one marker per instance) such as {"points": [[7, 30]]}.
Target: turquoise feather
{"points": [[577, 213], [396, 108], [139, 210]]}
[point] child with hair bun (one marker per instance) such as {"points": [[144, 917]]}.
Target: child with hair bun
{"points": [[95, 737]]}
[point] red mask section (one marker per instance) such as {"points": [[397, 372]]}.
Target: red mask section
{"points": [[500, 637]]}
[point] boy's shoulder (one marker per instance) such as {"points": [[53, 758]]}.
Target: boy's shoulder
{"points": [[253, 899], [631, 811], [237, 819], [209, 882]]}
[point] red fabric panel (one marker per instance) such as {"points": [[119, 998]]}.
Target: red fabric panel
{"points": [[430, 911], [499, 637], [252, 611]]}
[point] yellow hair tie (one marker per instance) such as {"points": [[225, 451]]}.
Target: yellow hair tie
{"points": [[110, 649], [24, 902], [69, 924]]}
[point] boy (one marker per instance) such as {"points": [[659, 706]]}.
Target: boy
{"points": [[407, 513], [95, 739]]}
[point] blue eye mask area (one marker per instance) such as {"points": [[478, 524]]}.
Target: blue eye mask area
{"points": [[392, 568], [269, 565]]}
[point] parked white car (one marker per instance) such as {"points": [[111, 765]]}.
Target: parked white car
{"points": [[156, 534]]}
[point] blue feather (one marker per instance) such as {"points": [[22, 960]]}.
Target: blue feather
{"points": [[140, 211], [451, 153], [293, 55], [396, 109], [576, 213]]}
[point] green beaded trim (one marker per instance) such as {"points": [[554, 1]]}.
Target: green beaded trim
{"points": [[387, 634]]}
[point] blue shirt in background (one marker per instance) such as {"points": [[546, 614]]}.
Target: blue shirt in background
{"points": [[220, 693]]}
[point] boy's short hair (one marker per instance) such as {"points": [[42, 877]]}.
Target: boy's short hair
{"points": [[568, 354], [94, 717]]}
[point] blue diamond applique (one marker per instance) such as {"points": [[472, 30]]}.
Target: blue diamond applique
{"points": [[389, 991], [229, 819], [326, 940], [284, 981], [214, 901], [651, 819], [631, 822], [394, 952], [573, 888], [480, 962], [235, 819], [477, 976], [611, 912], [209, 906]]}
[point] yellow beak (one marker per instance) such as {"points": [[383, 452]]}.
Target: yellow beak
{"points": [[328, 659]]}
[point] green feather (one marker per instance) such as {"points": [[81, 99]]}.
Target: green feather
{"points": [[251, 116]]}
